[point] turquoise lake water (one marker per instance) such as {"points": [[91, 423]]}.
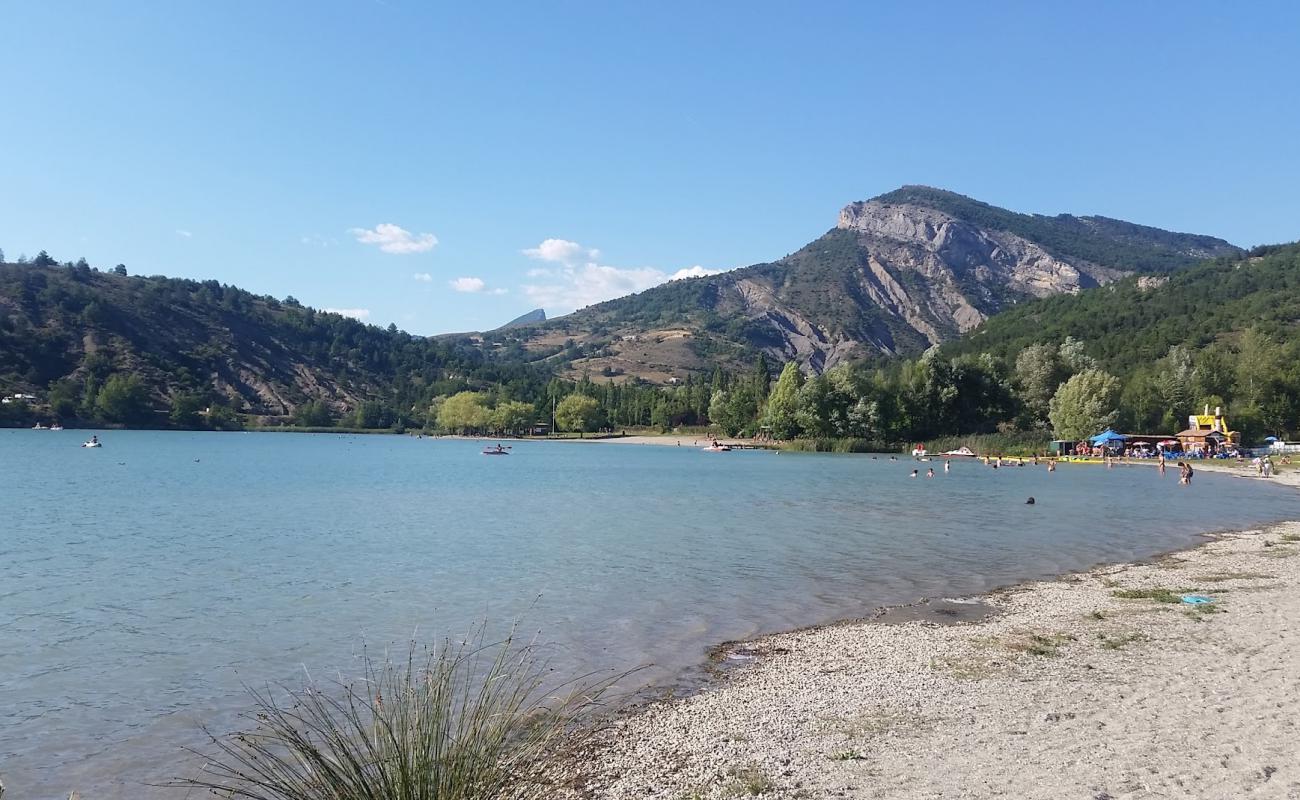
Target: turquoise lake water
{"points": [[142, 584]]}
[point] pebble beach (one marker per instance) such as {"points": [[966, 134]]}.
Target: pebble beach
{"points": [[1102, 685]]}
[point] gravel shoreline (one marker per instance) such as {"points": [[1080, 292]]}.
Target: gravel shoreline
{"points": [[1072, 689]]}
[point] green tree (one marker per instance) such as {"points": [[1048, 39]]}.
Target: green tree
{"points": [[463, 412], [1038, 374], [762, 378], [578, 412], [1258, 366], [120, 269], [512, 416], [783, 403], [372, 414], [1085, 405], [224, 418], [64, 397], [186, 410], [1176, 383], [313, 414], [44, 259], [123, 399], [1073, 356]]}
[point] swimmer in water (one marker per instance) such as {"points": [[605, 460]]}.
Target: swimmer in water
{"points": [[915, 473], [929, 473]]}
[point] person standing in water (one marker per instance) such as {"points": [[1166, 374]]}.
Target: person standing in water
{"points": [[1051, 466], [929, 473], [947, 465]]}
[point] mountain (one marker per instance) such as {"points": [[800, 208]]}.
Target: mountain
{"points": [[70, 330], [901, 272], [531, 318]]}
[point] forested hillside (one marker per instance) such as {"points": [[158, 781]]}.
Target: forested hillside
{"points": [[134, 350]]}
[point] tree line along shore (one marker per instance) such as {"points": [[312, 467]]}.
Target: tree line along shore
{"points": [[1126, 355]]}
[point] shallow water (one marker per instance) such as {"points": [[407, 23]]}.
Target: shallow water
{"points": [[142, 584]]}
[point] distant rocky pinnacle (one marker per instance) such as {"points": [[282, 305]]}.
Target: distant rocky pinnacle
{"points": [[531, 318]]}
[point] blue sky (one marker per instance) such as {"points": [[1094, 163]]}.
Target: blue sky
{"points": [[449, 166]]}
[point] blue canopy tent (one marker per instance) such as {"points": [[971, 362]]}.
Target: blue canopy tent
{"points": [[1108, 436]]}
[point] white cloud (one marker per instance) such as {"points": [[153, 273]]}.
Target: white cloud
{"points": [[693, 272], [361, 314], [316, 240], [423, 277], [393, 239], [580, 281], [470, 285], [184, 233], [561, 251]]}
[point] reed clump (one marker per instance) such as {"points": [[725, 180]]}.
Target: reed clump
{"points": [[469, 720]]}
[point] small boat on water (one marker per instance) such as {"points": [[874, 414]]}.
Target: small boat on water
{"points": [[92, 444], [716, 447], [39, 427], [56, 427], [960, 452], [496, 451]]}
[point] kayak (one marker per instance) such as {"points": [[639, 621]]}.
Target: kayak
{"points": [[496, 452], [91, 444]]}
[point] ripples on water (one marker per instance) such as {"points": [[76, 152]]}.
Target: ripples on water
{"points": [[141, 584]]}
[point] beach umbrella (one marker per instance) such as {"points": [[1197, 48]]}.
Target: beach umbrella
{"points": [[1270, 438], [1169, 442], [1107, 436]]}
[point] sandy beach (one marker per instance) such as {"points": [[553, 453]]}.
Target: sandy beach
{"points": [[1099, 685]]}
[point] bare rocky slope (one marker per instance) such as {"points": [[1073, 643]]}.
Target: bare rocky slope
{"points": [[897, 273]]}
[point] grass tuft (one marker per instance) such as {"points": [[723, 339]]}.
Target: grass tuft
{"points": [[749, 780], [1119, 641], [1158, 594], [847, 755], [469, 719], [1220, 577], [1037, 644]]}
